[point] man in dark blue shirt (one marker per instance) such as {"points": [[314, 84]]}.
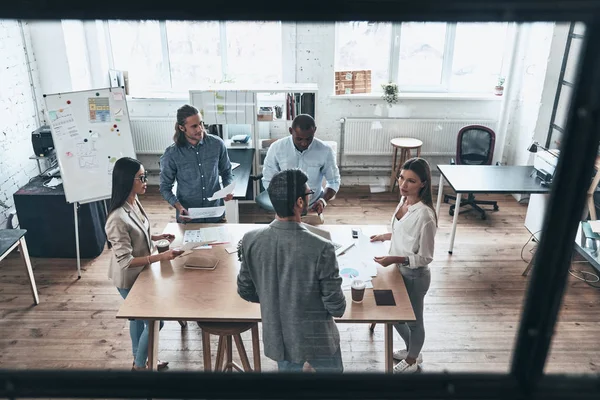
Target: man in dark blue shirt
{"points": [[195, 161]]}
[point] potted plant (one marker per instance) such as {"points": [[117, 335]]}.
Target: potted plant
{"points": [[390, 93], [499, 89]]}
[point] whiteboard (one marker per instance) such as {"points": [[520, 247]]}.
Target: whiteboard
{"points": [[91, 131], [224, 106]]}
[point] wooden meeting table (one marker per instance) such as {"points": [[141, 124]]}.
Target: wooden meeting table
{"points": [[168, 291]]}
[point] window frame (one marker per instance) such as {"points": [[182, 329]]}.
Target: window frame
{"points": [[166, 75], [449, 45]]}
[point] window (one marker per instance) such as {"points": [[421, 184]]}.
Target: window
{"points": [[181, 55], [136, 48], [424, 56], [364, 45]]}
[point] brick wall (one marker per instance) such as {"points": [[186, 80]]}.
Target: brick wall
{"points": [[18, 116]]}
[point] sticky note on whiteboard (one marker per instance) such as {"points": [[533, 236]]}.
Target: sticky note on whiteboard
{"points": [[118, 96]]}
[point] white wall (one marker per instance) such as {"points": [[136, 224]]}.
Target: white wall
{"points": [[539, 56], [18, 114]]}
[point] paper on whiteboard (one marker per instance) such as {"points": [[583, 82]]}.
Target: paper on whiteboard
{"points": [[63, 123], [223, 192], [206, 212]]}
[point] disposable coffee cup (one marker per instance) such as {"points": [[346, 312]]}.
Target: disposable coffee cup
{"points": [[358, 290], [163, 245]]}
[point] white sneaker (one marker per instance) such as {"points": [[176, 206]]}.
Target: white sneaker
{"points": [[405, 368], [402, 354]]}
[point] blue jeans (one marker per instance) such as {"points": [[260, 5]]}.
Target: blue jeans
{"points": [[138, 330], [332, 363]]}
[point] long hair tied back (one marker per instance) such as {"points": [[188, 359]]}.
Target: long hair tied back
{"points": [[182, 114]]}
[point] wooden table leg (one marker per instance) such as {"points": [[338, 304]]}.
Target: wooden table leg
{"points": [[27, 261], [394, 169], [256, 348], [206, 351], [153, 332], [229, 361], [389, 347]]}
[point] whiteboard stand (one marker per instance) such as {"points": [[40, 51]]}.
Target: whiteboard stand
{"points": [[75, 214]]}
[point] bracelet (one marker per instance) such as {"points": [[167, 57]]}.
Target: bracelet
{"points": [[324, 202]]}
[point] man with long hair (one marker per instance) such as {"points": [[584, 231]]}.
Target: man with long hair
{"points": [[195, 161]]}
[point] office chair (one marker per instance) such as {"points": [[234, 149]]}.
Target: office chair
{"points": [[475, 146], [262, 199]]}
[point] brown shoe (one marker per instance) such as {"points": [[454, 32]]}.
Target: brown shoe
{"points": [[134, 368]]}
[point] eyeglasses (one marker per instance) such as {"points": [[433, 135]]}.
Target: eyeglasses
{"points": [[142, 178], [309, 193]]}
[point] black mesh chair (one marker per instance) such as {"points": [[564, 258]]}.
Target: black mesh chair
{"points": [[475, 146]]}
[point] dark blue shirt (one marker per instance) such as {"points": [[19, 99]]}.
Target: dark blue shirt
{"points": [[196, 170]]}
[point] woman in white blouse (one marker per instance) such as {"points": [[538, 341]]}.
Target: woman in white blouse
{"points": [[414, 225]]}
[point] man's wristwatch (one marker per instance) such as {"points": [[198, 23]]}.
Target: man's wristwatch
{"points": [[323, 201]]}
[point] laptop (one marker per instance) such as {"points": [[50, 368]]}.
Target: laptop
{"points": [[339, 248]]}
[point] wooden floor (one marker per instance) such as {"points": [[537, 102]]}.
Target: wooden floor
{"points": [[472, 309]]}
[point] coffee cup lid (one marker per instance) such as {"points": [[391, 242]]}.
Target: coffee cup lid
{"points": [[358, 283], [162, 242]]}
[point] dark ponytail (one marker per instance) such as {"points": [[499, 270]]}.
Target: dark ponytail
{"points": [[123, 178], [182, 114]]}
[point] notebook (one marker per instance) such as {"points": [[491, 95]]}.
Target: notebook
{"points": [[206, 262], [339, 248]]}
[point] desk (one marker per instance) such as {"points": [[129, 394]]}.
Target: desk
{"points": [[167, 291], [486, 179], [11, 238], [241, 177], [50, 223]]}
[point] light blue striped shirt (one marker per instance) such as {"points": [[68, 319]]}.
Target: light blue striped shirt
{"points": [[318, 162]]}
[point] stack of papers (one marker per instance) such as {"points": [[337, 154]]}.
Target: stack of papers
{"points": [[357, 261]]}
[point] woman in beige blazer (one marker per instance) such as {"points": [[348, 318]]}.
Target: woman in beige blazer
{"points": [[128, 233]]}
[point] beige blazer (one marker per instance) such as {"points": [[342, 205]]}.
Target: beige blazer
{"points": [[129, 238]]}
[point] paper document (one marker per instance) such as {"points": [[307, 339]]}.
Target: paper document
{"points": [[234, 165], [201, 237], [206, 212], [595, 225], [219, 194]]}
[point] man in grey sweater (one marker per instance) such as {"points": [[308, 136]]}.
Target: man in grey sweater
{"points": [[294, 275]]}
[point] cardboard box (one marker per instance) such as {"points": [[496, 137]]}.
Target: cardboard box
{"points": [[352, 82]]}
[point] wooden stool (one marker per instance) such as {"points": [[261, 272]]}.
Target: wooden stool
{"points": [[405, 145], [226, 332]]}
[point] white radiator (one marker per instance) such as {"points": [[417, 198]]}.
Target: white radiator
{"points": [[152, 135], [371, 137]]}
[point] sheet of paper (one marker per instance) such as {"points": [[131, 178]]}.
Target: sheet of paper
{"points": [[595, 225], [200, 237], [234, 165], [219, 194], [206, 212], [190, 242], [63, 123]]}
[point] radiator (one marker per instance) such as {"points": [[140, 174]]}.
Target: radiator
{"points": [[152, 135], [371, 137]]}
